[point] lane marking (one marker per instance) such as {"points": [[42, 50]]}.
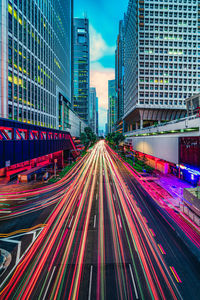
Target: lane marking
{"points": [[5, 211], [71, 221], [95, 221], [175, 274], [49, 283], [120, 223], [22, 230], [133, 280], [90, 283]]}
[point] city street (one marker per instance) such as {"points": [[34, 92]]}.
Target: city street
{"points": [[96, 234]]}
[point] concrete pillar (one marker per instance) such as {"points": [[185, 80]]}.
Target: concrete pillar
{"points": [[141, 123]]}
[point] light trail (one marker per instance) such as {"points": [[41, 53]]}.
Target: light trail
{"points": [[96, 201]]}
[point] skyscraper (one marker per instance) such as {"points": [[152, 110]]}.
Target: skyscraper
{"points": [[161, 60], [92, 109], [81, 68], [111, 105], [119, 76], [97, 116], [35, 60]]}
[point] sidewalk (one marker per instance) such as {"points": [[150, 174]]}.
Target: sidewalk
{"points": [[168, 191]]}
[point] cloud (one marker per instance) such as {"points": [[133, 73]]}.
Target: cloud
{"points": [[98, 46], [99, 77]]}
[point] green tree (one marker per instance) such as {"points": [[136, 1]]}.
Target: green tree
{"points": [[88, 137]]}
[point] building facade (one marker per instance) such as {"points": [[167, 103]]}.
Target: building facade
{"points": [[161, 60], [111, 105], [119, 75], [81, 68], [35, 41], [92, 109], [97, 116]]}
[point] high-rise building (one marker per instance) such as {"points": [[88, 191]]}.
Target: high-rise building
{"points": [[97, 116], [119, 77], [111, 105], [81, 68], [161, 60], [35, 61], [92, 109]]}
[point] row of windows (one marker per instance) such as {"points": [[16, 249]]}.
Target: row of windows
{"points": [[177, 53], [169, 80], [180, 73], [171, 66], [168, 15], [168, 44], [170, 29], [161, 102], [163, 95], [32, 117], [170, 6], [166, 88], [172, 1]]}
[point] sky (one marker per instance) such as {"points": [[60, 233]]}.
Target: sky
{"points": [[104, 16]]}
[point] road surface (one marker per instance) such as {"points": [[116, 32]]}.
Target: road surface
{"points": [[96, 234]]}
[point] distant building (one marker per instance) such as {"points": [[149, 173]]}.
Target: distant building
{"points": [[193, 105], [119, 77], [161, 60], [97, 116], [92, 109], [111, 105], [106, 128], [101, 132], [35, 61], [81, 68]]}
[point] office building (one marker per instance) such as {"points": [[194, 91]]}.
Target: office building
{"points": [[97, 116], [35, 61], [111, 105], [92, 109], [119, 77], [161, 60], [81, 68]]}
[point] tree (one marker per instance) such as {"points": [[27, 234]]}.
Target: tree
{"points": [[118, 138], [88, 137], [114, 138]]}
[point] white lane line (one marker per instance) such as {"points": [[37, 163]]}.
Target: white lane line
{"points": [[5, 211], [95, 217], [71, 221], [120, 223], [134, 285], [90, 284], [49, 282]]}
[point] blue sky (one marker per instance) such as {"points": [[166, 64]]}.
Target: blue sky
{"points": [[104, 16]]}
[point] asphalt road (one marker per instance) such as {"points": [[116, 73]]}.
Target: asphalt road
{"points": [[95, 235]]}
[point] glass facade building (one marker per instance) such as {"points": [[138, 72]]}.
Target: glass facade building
{"points": [[92, 109], [36, 60], [111, 105], [81, 68], [161, 59], [119, 72]]}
